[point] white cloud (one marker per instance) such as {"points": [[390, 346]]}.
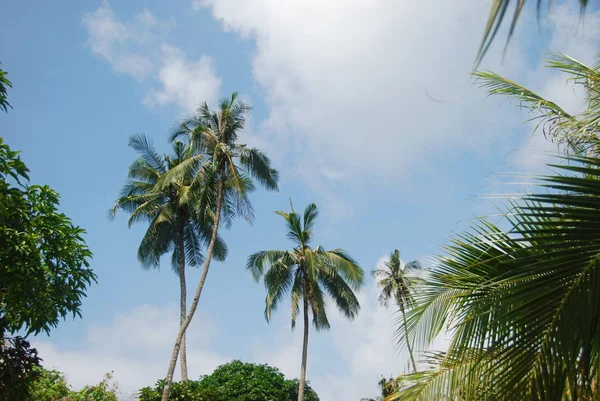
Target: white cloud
{"points": [[126, 46], [186, 83], [137, 346], [347, 84], [139, 49], [349, 79]]}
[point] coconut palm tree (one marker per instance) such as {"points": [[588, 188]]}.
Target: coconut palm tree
{"points": [[523, 303], [174, 221], [497, 14], [397, 283], [307, 274], [226, 170]]}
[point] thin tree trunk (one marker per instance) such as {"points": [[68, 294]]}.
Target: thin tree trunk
{"points": [[188, 319], [182, 302], [304, 349], [408, 345]]}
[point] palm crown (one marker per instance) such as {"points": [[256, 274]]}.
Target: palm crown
{"points": [[307, 273], [395, 281], [171, 211], [217, 159]]}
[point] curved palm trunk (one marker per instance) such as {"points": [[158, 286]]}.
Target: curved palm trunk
{"points": [[304, 351], [194, 305], [182, 303], [408, 345]]}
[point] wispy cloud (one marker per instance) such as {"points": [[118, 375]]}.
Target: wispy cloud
{"points": [[139, 48]]}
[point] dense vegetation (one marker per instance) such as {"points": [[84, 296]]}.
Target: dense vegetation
{"points": [[234, 381], [51, 385], [521, 304]]}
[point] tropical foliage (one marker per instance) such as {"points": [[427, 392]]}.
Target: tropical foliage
{"points": [[397, 282], [176, 223], [307, 274], [18, 363], [45, 262], [234, 381], [4, 84], [52, 385], [498, 11], [225, 169], [522, 303]]}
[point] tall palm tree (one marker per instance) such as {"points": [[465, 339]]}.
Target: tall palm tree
{"points": [[397, 282], [523, 304], [175, 224], [307, 273], [225, 169], [497, 14]]}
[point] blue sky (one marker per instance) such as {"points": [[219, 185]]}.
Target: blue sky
{"points": [[340, 103]]}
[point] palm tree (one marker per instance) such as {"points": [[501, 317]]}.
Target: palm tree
{"points": [[307, 273], [225, 169], [396, 282], [523, 304], [498, 12], [171, 211]]}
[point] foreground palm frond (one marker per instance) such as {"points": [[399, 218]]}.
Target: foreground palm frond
{"points": [[498, 12], [523, 305], [578, 132]]}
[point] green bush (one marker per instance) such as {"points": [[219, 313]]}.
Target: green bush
{"points": [[234, 381], [51, 385]]}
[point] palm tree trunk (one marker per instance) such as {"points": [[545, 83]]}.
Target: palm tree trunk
{"points": [[408, 345], [304, 350], [188, 319], [182, 303]]}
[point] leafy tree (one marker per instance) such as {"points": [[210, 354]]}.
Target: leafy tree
{"points": [[175, 222], [397, 283], [307, 273], [4, 84], [44, 268], [498, 13], [523, 303], [224, 168], [17, 367], [234, 381], [51, 385]]}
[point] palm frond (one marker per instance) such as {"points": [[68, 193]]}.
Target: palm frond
{"points": [[578, 133], [520, 301], [497, 15], [259, 167], [258, 261], [144, 147]]}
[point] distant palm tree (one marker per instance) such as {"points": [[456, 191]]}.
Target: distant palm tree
{"points": [[498, 13], [307, 273], [397, 284], [224, 169], [175, 224]]}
